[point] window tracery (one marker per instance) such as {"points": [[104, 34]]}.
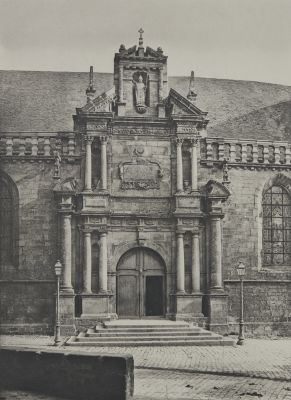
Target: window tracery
{"points": [[276, 206]]}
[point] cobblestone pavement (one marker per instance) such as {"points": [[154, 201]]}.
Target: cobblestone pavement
{"points": [[166, 385], [150, 385], [260, 358]]}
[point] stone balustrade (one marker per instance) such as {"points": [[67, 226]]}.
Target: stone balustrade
{"points": [[38, 145], [245, 151]]}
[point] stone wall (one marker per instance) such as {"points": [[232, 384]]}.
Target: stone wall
{"points": [[27, 288], [267, 290]]}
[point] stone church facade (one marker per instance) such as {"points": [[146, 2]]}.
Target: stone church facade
{"points": [[147, 212]]}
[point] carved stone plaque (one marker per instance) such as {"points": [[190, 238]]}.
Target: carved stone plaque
{"points": [[140, 174]]}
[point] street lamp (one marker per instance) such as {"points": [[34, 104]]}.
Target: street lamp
{"points": [[58, 273], [241, 270]]}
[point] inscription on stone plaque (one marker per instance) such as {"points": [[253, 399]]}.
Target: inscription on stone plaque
{"points": [[140, 174]]}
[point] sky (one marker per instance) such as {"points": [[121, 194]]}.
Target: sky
{"points": [[233, 39]]}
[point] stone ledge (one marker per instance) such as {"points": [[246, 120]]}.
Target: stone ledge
{"points": [[73, 375]]}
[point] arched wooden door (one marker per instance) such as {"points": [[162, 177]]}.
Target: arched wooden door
{"points": [[140, 284]]}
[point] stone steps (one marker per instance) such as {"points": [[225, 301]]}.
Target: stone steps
{"points": [[147, 333]]}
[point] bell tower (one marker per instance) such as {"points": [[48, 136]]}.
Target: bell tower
{"points": [[140, 80]]}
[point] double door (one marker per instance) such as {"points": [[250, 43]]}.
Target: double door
{"points": [[140, 284]]}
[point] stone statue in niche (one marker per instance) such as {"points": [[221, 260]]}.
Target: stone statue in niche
{"points": [[140, 91]]}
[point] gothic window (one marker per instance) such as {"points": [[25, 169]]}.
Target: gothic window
{"points": [[276, 227], [8, 221]]}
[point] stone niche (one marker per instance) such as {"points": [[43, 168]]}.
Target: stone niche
{"points": [[140, 174]]}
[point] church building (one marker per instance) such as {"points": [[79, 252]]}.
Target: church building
{"points": [[148, 196]]}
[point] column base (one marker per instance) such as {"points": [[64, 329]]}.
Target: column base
{"points": [[95, 306], [218, 311], [188, 306], [65, 290], [121, 108], [67, 313]]}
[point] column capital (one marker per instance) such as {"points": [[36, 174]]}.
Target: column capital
{"points": [[85, 229], [180, 233], [67, 215], [88, 139], [195, 232], [194, 141], [103, 139], [179, 141], [216, 216], [102, 230]]}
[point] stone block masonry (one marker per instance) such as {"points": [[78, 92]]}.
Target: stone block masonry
{"points": [[74, 375]]}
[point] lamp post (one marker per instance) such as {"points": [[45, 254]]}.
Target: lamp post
{"points": [[241, 270], [58, 273]]}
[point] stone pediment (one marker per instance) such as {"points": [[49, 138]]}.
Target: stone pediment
{"points": [[101, 103], [216, 191], [178, 105]]}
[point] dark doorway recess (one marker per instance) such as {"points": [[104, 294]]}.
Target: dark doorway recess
{"points": [[154, 296]]}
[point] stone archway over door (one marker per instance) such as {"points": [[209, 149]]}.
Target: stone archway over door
{"points": [[140, 284]]}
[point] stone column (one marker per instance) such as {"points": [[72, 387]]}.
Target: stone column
{"points": [[161, 83], [88, 163], [103, 140], [180, 263], [103, 263], [216, 253], [194, 165], [87, 273], [179, 143], [195, 262], [67, 253], [120, 84]]}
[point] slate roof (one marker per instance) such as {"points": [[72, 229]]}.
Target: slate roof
{"points": [[36, 101]]}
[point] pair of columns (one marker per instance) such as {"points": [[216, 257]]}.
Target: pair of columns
{"points": [[195, 263], [88, 162], [215, 258], [66, 221], [87, 272], [194, 165]]}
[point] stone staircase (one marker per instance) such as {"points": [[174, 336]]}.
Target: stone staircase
{"points": [[132, 333]]}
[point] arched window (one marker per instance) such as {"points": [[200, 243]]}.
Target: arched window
{"points": [[8, 221], [276, 227]]}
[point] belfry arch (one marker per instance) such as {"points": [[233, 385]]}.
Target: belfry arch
{"points": [[141, 284]]}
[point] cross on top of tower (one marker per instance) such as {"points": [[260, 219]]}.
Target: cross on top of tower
{"points": [[140, 42]]}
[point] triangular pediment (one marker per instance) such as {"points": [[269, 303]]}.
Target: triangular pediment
{"points": [[216, 190], [179, 105], [101, 103]]}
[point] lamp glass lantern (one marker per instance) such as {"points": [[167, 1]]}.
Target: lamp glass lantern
{"points": [[58, 268], [241, 270]]}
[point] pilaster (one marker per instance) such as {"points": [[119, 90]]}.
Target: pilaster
{"points": [[179, 143], [88, 163]]}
